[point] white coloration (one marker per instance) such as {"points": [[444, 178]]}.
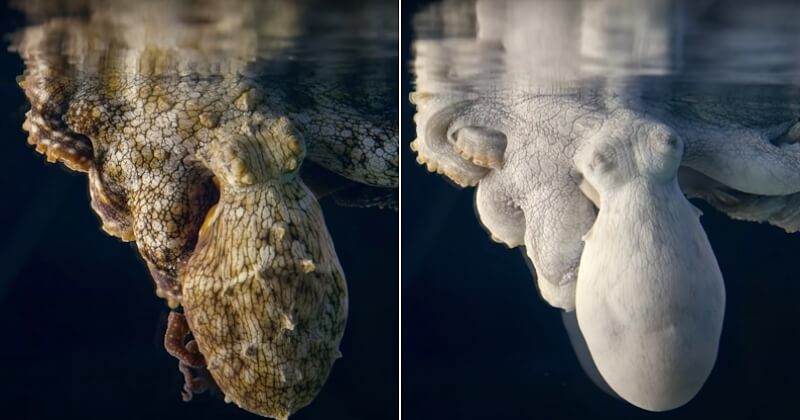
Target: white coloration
{"points": [[578, 343], [542, 106], [650, 298]]}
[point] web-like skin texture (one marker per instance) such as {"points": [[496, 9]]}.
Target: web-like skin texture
{"points": [[198, 161]]}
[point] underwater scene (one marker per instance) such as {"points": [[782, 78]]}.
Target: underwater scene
{"points": [[600, 208], [600, 204], [216, 234]]}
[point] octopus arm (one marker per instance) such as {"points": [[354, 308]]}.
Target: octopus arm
{"points": [[778, 210], [437, 138], [343, 140], [747, 160], [167, 213], [500, 216], [556, 218]]}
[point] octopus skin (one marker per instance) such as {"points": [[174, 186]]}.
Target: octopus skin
{"points": [[649, 297], [591, 171], [195, 155]]}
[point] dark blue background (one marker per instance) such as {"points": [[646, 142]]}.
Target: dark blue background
{"points": [[81, 329], [479, 342]]}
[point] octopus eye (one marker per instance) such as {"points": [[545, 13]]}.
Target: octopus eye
{"points": [[669, 145], [602, 161], [662, 140]]}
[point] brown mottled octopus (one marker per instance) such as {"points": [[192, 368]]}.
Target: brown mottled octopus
{"points": [[199, 165]]}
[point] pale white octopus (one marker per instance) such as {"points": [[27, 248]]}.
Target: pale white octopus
{"points": [[554, 112]]}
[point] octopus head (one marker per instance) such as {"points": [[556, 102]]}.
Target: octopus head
{"points": [[627, 151], [263, 292]]}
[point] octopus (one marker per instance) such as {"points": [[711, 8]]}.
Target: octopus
{"points": [[208, 156], [591, 172]]}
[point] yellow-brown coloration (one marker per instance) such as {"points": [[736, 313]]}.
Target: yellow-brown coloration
{"points": [[197, 162], [256, 272], [200, 168], [267, 326]]}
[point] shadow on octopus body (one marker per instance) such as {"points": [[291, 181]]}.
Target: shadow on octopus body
{"points": [[584, 150], [193, 128]]}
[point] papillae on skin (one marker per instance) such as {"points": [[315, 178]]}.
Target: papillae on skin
{"points": [[195, 158]]}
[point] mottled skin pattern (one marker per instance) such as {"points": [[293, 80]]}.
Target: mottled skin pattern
{"points": [[201, 169], [288, 282]]}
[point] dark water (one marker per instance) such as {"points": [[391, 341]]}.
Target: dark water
{"points": [[479, 342], [82, 330]]}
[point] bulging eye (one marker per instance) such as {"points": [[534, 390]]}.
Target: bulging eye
{"points": [[603, 161], [666, 142]]}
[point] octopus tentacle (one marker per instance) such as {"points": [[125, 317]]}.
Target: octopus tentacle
{"points": [[556, 218], [747, 160], [111, 206], [504, 220], [342, 140], [167, 213], [782, 211], [174, 339], [480, 145], [188, 355], [434, 145], [46, 129], [191, 384]]}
